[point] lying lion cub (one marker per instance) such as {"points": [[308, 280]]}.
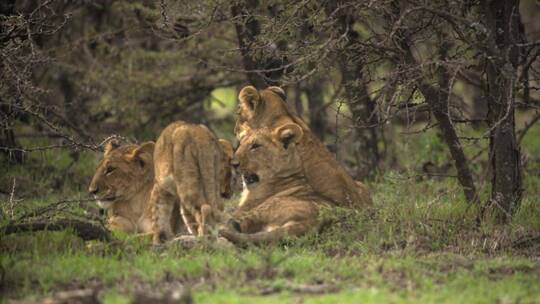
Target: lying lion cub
{"points": [[277, 200], [189, 163], [267, 109], [122, 184]]}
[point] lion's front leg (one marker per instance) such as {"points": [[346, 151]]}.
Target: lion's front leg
{"points": [[203, 217], [162, 204], [188, 220], [271, 221], [120, 223], [189, 189]]}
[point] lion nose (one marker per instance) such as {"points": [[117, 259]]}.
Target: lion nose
{"points": [[93, 189]]}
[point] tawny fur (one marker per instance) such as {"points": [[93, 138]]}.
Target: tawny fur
{"points": [[122, 184], [267, 108], [281, 202], [225, 174], [188, 162]]}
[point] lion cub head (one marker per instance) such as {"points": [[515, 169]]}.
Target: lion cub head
{"points": [[263, 108], [122, 173], [269, 156]]}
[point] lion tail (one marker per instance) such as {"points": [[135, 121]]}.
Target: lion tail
{"points": [[291, 229], [209, 168]]}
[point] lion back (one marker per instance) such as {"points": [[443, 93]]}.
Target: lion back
{"points": [[210, 165], [196, 165]]}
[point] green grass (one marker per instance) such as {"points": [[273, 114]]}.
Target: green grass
{"points": [[419, 244], [230, 276]]}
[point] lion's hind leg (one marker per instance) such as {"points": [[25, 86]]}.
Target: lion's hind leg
{"points": [[289, 229], [272, 221], [162, 204], [188, 182], [187, 219]]}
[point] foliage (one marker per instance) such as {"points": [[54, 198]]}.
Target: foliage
{"points": [[409, 95]]}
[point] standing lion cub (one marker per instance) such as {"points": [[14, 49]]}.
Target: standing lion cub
{"points": [[124, 181], [189, 162]]}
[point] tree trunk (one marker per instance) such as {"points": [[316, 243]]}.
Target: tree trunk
{"points": [[502, 22], [317, 117], [8, 142], [314, 90], [360, 104], [261, 72], [437, 99], [9, 146], [438, 103], [365, 121]]}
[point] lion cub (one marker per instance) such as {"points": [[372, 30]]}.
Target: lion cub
{"points": [[277, 200], [122, 185], [124, 180], [191, 165], [267, 109]]}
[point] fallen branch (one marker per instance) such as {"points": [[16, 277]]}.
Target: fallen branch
{"points": [[85, 230], [301, 288], [50, 209], [314, 289], [180, 295], [526, 242], [88, 295]]}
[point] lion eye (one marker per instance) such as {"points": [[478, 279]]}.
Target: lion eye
{"points": [[109, 170], [254, 146]]}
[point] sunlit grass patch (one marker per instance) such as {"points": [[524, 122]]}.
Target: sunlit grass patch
{"points": [[239, 276]]}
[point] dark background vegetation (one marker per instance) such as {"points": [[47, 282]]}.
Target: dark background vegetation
{"points": [[365, 75], [440, 97]]}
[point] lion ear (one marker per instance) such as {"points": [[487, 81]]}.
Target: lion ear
{"points": [[227, 148], [143, 154], [289, 133], [249, 98], [278, 91], [111, 145]]}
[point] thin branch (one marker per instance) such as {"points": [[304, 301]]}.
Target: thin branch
{"points": [[521, 133]]}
